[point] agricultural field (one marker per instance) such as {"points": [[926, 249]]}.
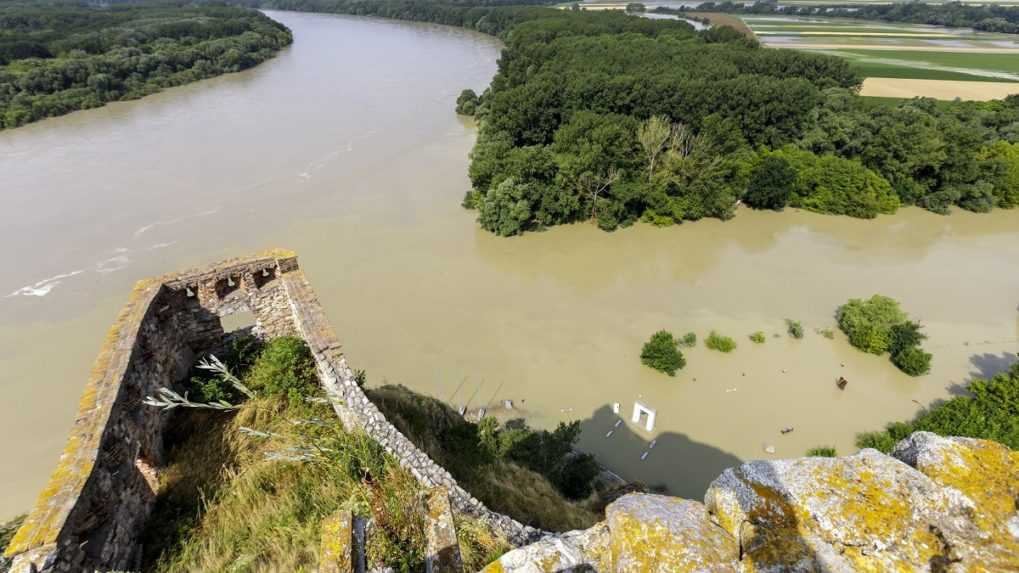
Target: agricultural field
{"points": [[895, 57]]}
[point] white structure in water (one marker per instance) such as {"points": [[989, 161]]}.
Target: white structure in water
{"points": [[639, 410]]}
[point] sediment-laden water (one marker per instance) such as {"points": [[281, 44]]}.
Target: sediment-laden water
{"points": [[346, 148]]}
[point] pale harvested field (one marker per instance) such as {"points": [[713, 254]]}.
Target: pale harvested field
{"points": [[892, 47], [938, 89]]}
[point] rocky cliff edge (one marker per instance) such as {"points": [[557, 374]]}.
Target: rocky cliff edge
{"points": [[943, 505]]}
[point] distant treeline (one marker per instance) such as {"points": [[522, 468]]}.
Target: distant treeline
{"points": [[986, 17], [616, 118], [59, 57]]}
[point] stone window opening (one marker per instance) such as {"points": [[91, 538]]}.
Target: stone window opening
{"points": [[227, 285], [264, 277]]}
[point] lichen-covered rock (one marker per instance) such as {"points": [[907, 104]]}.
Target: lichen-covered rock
{"points": [[867, 512], [936, 505], [987, 473], [659, 534], [336, 546], [571, 552]]}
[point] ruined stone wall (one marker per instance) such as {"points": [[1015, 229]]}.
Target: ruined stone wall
{"points": [[98, 498], [90, 514], [356, 411]]}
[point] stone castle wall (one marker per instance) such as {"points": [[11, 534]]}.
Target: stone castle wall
{"points": [[90, 514]]}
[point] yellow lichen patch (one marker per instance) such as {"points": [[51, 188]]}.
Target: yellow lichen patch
{"points": [[868, 511], [335, 550], [494, 567], [988, 474], [640, 543], [45, 521]]}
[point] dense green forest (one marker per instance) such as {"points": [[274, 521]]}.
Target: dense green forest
{"points": [[615, 118], [58, 57], [986, 17]]}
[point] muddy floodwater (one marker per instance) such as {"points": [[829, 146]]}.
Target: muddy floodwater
{"points": [[346, 148]]}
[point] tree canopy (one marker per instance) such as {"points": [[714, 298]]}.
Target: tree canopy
{"points": [[63, 56], [613, 118]]}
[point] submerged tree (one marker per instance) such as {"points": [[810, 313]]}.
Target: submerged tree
{"points": [[662, 354]]}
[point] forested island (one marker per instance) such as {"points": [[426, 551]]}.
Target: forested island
{"points": [[59, 57], [615, 118], [984, 17]]}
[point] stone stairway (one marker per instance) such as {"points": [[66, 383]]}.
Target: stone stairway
{"points": [[344, 538]]}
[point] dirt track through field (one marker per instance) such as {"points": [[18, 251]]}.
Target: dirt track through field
{"points": [[938, 89]]}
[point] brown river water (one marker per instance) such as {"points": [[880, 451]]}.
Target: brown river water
{"points": [[345, 147]]}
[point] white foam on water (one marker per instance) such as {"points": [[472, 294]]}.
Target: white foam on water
{"points": [[146, 228], [43, 287], [114, 263]]}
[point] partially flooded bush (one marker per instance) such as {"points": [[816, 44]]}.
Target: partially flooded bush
{"points": [[716, 341], [662, 354]]}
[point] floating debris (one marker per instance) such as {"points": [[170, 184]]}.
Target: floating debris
{"points": [[841, 383], [727, 390], [768, 448], [508, 404], [615, 407], [787, 429]]}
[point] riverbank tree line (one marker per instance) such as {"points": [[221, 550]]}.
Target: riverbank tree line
{"points": [[615, 118], [64, 56], [665, 124], [988, 17]]}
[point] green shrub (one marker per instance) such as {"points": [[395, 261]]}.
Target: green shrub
{"points": [[284, 368], [822, 452], [689, 340], [878, 325], [770, 184], [794, 328], [990, 412], [716, 341], [757, 337], [905, 335], [827, 333], [913, 360], [207, 388], [467, 102], [661, 353], [868, 323]]}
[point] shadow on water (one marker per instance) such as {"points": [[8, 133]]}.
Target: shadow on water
{"points": [[689, 466], [987, 364]]}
